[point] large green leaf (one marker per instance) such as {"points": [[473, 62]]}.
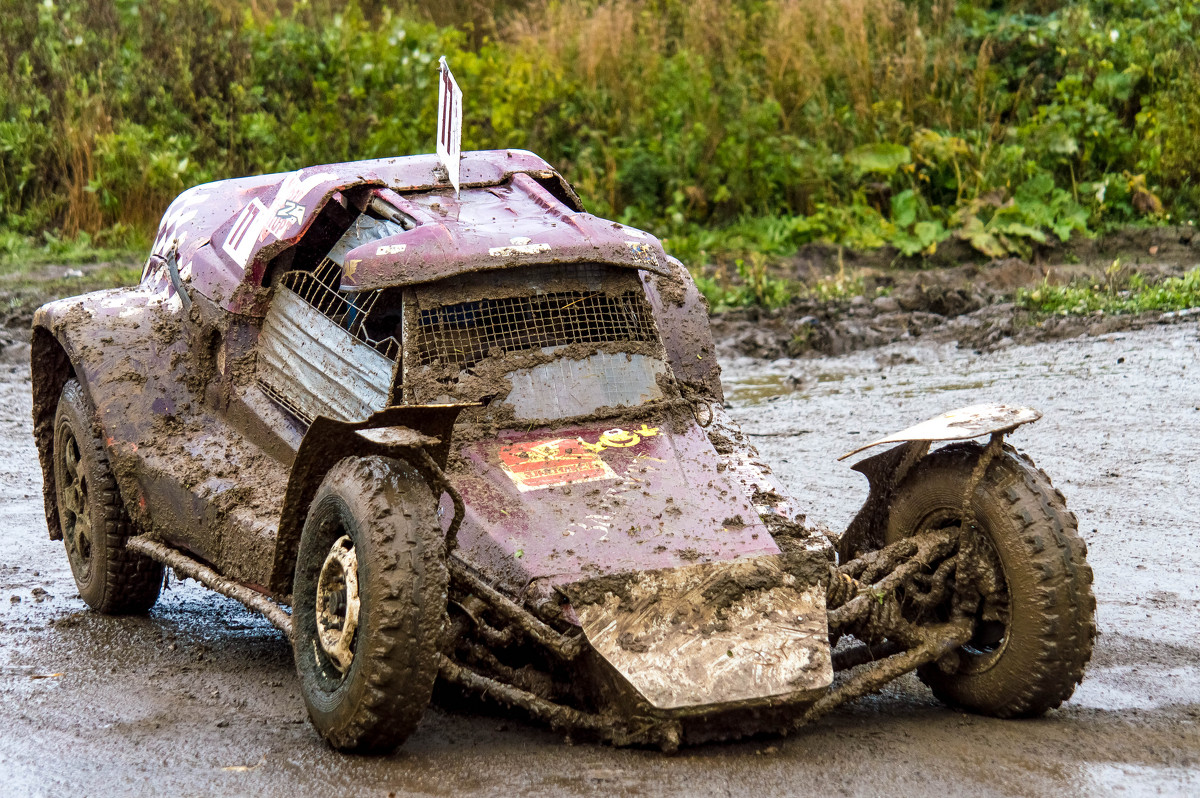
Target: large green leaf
{"points": [[881, 158], [904, 208], [974, 232]]}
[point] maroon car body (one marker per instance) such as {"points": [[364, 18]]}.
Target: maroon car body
{"points": [[175, 391], [551, 376]]}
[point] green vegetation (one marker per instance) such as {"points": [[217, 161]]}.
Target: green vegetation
{"points": [[18, 252], [754, 287], [1116, 295], [737, 130], [757, 286]]}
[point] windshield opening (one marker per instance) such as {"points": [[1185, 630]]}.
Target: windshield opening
{"points": [[546, 342]]}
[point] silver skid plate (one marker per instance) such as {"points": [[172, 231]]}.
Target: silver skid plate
{"points": [[710, 634]]}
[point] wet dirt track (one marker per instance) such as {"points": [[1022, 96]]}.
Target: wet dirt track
{"points": [[201, 697]]}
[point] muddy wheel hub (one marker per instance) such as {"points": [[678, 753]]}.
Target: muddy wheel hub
{"points": [[993, 616], [73, 496], [338, 603], [989, 609]]}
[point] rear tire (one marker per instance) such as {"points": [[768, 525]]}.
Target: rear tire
{"points": [[110, 578], [1050, 627], [369, 604]]}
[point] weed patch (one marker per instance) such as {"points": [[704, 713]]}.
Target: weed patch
{"points": [[1131, 295]]}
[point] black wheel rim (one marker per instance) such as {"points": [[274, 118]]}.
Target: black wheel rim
{"points": [[75, 507]]}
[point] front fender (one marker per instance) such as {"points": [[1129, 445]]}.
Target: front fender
{"points": [[960, 425], [393, 432], [681, 313], [885, 471]]}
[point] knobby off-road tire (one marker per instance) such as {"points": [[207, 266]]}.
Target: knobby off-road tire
{"points": [[1051, 625], [388, 513], [111, 579]]}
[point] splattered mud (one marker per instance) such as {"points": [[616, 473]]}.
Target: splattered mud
{"points": [[201, 696]]}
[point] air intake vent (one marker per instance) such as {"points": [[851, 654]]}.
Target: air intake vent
{"points": [[349, 311]]}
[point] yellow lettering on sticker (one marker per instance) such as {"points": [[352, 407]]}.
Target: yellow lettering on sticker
{"points": [[620, 438]]}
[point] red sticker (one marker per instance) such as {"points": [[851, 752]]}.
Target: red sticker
{"points": [[547, 464]]}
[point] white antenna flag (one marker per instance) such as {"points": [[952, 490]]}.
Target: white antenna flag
{"points": [[449, 131]]}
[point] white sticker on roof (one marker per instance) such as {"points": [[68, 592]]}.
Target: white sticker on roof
{"points": [[244, 233]]}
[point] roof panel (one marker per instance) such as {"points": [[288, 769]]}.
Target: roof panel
{"points": [[502, 218]]}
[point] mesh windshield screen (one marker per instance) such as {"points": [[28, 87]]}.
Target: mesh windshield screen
{"points": [[462, 334], [351, 311]]}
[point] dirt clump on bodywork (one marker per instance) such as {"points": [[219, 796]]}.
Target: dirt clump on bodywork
{"points": [[709, 599], [672, 290], [734, 584], [726, 584]]}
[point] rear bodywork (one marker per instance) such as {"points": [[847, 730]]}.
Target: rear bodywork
{"points": [[550, 372]]}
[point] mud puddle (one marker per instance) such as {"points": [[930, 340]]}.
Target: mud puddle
{"points": [[795, 378], [1120, 413], [200, 697]]}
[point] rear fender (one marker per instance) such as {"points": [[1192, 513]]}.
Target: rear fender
{"points": [[116, 343], [397, 432]]}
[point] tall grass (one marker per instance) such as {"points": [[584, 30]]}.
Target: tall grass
{"points": [[858, 121], [792, 79]]}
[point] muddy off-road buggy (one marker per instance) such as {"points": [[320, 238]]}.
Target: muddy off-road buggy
{"points": [[478, 440]]}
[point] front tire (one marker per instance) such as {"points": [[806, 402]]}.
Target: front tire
{"points": [[95, 526], [1037, 626], [369, 603]]}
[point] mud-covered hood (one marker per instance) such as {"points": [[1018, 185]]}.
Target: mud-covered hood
{"points": [[579, 502]]}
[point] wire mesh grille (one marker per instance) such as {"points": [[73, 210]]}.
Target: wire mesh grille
{"points": [[282, 399], [349, 311], [462, 334]]}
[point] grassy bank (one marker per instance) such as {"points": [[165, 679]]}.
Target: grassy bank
{"points": [[1118, 294]]}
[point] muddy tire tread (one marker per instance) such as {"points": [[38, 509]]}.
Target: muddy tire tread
{"points": [[132, 581], [408, 586], [1066, 629], [1071, 552]]}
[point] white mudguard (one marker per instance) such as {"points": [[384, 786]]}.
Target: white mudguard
{"points": [[961, 425]]}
